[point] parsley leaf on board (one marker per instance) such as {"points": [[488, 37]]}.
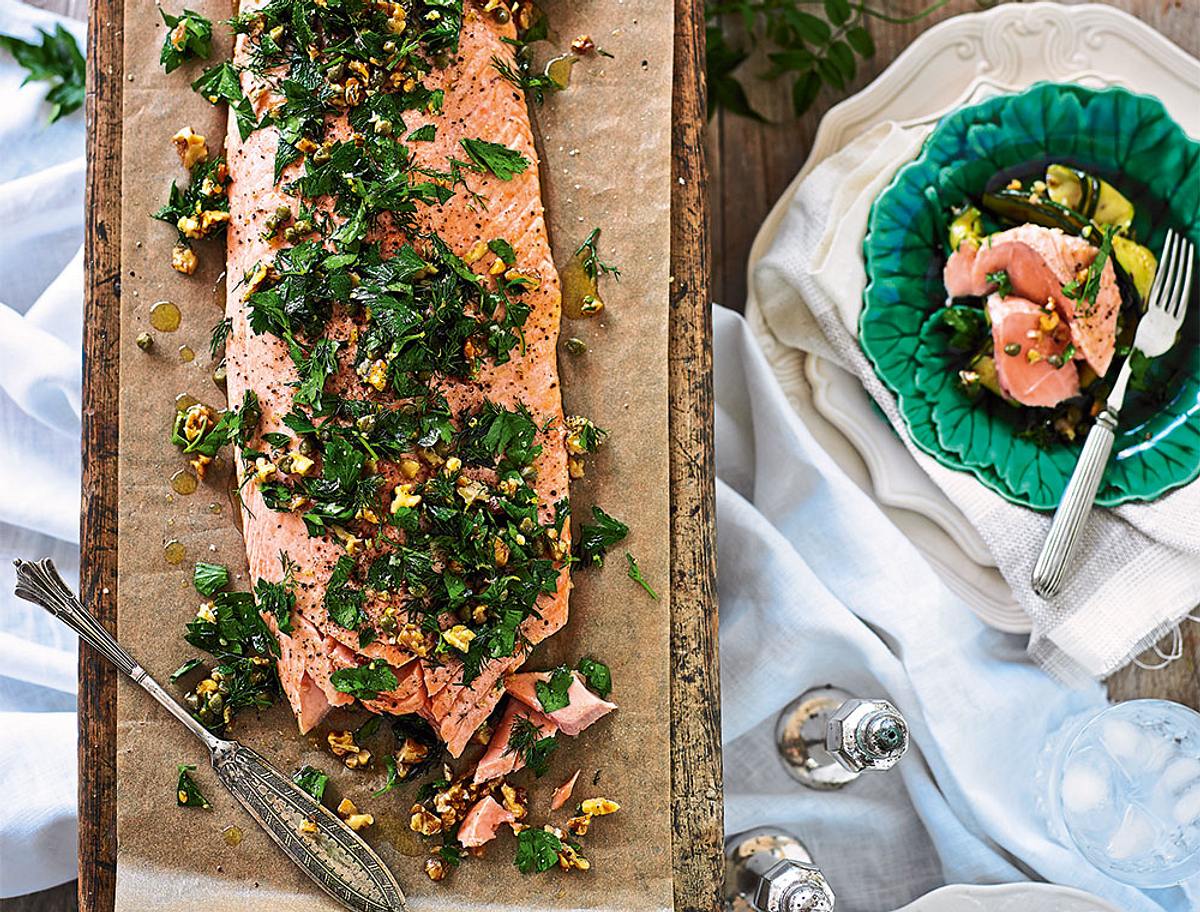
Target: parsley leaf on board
{"points": [[209, 579], [502, 161], [187, 793], [189, 37], [221, 83], [186, 668], [58, 61], [312, 780], [594, 541], [552, 694], [389, 762], [635, 574], [366, 681], [597, 675], [537, 850]]}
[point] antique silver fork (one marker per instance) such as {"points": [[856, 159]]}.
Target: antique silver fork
{"points": [[311, 835], [1156, 332]]}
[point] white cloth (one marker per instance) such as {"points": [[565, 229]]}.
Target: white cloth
{"points": [[41, 294], [1138, 571], [817, 586]]}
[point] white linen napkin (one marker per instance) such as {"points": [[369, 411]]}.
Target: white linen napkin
{"points": [[1138, 568], [41, 295], [817, 586]]}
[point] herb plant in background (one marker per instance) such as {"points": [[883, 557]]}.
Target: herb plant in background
{"points": [[810, 43], [58, 61]]}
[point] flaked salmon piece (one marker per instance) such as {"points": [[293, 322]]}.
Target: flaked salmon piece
{"points": [[498, 760], [562, 794], [583, 708], [478, 104], [1039, 262], [1023, 347], [304, 668], [482, 821], [959, 274]]}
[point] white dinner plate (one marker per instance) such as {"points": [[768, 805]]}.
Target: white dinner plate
{"points": [[1019, 897], [958, 62]]}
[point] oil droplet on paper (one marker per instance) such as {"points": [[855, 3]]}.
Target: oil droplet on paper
{"points": [[164, 316], [173, 551], [183, 482], [183, 402], [186, 355], [577, 286], [559, 70], [232, 835], [214, 507]]}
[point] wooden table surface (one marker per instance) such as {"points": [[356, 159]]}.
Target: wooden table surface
{"points": [[749, 165]]}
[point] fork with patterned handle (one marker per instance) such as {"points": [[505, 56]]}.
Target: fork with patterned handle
{"points": [[1156, 333], [322, 845]]}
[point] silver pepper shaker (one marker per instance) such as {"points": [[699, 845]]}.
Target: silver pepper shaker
{"points": [[827, 737], [768, 870]]}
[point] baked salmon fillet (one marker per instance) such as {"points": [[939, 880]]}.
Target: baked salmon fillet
{"points": [[380, 606]]}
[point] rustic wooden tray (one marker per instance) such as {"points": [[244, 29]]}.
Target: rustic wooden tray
{"points": [[695, 713]]}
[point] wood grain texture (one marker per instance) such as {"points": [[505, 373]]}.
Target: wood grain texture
{"points": [[98, 522], [752, 163], [695, 698]]}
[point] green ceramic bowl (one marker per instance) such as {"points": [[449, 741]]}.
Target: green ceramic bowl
{"points": [[1130, 141]]}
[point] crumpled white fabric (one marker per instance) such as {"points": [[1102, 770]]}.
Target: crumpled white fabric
{"points": [[41, 295], [1138, 567], [817, 586]]}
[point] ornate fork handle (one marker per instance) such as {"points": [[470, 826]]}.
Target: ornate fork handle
{"points": [[39, 582], [1067, 528]]}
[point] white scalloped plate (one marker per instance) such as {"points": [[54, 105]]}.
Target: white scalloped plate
{"points": [[958, 62], [1019, 897]]}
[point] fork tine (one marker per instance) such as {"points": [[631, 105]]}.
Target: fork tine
{"points": [[1184, 286], [1164, 281]]}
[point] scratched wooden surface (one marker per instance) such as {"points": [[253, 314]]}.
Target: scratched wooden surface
{"points": [[748, 167]]}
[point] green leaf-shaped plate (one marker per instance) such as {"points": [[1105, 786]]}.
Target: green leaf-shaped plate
{"points": [[1130, 141]]}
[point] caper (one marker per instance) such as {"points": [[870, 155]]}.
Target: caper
{"points": [[1055, 360], [384, 128], [321, 156], [305, 446], [304, 226], [283, 212], [590, 305], [576, 346], [1012, 348], [219, 374], [289, 234], [145, 341], [276, 33], [366, 423]]}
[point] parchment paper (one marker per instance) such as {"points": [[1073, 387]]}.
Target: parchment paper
{"points": [[606, 162]]}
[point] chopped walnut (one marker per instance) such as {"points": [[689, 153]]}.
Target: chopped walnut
{"points": [[412, 751], [200, 463], [435, 868], [423, 821], [342, 745], [459, 637], [599, 807], [583, 44], [190, 147], [514, 800], [568, 858], [183, 259], [579, 825], [349, 813], [414, 639]]}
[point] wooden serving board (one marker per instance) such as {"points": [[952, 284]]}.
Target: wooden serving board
{"points": [[695, 728]]}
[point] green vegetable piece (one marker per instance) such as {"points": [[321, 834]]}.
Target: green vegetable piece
{"points": [[209, 579], [635, 574], [967, 226], [502, 161], [188, 793], [58, 61], [389, 762], [312, 780], [189, 37], [552, 694], [537, 850], [366, 681], [594, 541], [343, 601], [597, 675], [188, 666]]}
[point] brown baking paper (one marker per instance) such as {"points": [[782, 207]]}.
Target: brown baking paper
{"points": [[605, 162]]}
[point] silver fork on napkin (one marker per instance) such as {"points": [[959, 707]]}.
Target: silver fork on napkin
{"points": [[325, 848], [1155, 335]]}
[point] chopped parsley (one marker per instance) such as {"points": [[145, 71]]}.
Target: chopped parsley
{"points": [[201, 209], [1003, 284], [502, 161], [187, 793], [595, 540], [552, 694], [1084, 293], [209, 579], [635, 574], [277, 600], [597, 675], [389, 763], [186, 668], [537, 850], [344, 602], [189, 37], [312, 780], [366, 681], [593, 266], [221, 83]]}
